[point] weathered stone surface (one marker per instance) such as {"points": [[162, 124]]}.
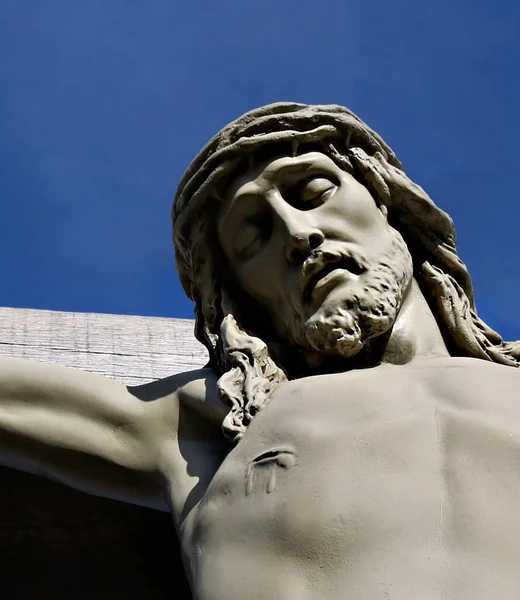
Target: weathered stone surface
{"points": [[129, 349]]}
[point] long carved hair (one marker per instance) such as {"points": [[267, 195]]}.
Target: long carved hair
{"points": [[238, 335]]}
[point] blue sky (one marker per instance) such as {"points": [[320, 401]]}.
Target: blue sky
{"points": [[103, 103]]}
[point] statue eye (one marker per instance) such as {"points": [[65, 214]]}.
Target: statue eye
{"points": [[316, 188], [251, 236]]}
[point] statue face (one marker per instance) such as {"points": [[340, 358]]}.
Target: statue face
{"points": [[307, 241]]}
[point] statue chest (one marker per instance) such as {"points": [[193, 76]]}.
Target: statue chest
{"points": [[331, 473]]}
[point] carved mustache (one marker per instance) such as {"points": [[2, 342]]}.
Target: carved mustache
{"points": [[323, 261]]}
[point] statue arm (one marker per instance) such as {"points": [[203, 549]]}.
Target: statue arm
{"points": [[90, 432]]}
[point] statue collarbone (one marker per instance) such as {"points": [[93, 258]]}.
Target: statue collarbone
{"points": [[309, 414]]}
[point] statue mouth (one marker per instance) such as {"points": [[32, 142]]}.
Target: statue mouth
{"points": [[319, 270]]}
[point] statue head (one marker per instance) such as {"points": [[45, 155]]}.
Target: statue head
{"points": [[297, 234]]}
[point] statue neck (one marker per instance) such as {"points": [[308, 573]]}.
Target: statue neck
{"points": [[415, 333]]}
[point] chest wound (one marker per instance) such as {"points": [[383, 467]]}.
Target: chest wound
{"points": [[263, 470]]}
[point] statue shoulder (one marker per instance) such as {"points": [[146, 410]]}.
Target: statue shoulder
{"points": [[195, 390]]}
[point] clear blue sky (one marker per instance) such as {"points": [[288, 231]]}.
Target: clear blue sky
{"points": [[104, 102]]}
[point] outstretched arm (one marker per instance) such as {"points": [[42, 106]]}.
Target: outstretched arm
{"points": [[92, 433]]}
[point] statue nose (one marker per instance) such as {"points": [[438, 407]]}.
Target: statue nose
{"points": [[302, 236], [302, 243]]}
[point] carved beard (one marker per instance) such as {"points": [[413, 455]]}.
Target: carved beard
{"points": [[365, 307]]}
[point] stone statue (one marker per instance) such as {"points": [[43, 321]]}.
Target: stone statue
{"points": [[356, 433]]}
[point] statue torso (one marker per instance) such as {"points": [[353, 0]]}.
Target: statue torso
{"points": [[396, 481]]}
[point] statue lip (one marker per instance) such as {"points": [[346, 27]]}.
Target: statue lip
{"points": [[318, 269]]}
